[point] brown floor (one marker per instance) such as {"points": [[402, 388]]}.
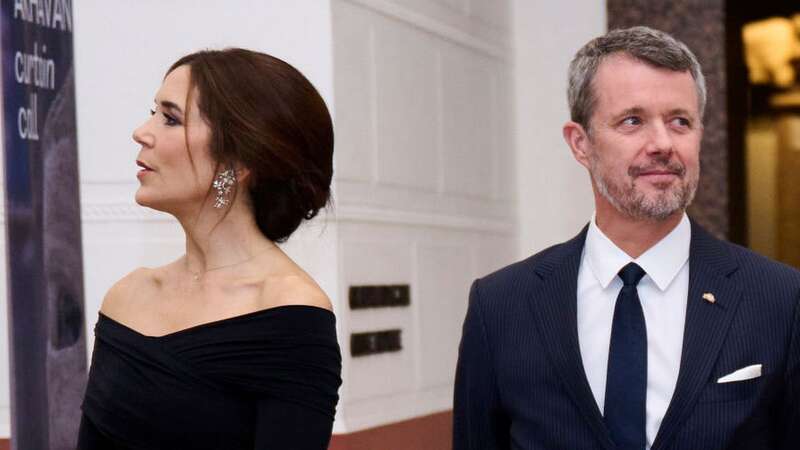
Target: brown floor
{"points": [[432, 432], [423, 433]]}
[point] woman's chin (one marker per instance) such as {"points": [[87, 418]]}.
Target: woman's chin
{"points": [[142, 199], [158, 204]]}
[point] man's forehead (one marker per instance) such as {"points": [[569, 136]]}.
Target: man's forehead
{"points": [[626, 83], [621, 61]]}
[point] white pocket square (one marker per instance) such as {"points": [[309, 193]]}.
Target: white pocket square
{"points": [[745, 373]]}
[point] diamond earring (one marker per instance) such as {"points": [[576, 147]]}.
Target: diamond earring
{"points": [[223, 184]]}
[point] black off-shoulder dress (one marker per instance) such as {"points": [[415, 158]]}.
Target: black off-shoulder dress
{"points": [[264, 380]]}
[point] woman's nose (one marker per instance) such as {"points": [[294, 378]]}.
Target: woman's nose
{"points": [[142, 136]]}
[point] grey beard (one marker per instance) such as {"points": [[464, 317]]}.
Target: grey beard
{"points": [[636, 205]]}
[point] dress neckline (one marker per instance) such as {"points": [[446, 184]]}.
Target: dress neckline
{"points": [[214, 323]]}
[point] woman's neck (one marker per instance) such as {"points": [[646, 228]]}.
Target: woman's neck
{"points": [[221, 240]]}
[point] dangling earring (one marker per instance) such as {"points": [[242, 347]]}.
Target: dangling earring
{"points": [[223, 183]]}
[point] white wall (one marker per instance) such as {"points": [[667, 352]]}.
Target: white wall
{"points": [[554, 191], [433, 185], [425, 192]]}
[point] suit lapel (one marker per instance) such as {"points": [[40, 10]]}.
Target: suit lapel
{"points": [[554, 304], [706, 326]]}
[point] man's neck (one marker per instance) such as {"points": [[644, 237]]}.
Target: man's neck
{"points": [[635, 236]]}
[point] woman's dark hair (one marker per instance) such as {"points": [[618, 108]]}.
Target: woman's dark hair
{"points": [[266, 116]]}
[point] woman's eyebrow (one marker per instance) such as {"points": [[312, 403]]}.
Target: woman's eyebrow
{"points": [[169, 105]]}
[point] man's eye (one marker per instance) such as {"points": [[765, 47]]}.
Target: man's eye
{"points": [[631, 121], [682, 122]]}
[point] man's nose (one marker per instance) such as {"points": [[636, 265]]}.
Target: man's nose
{"points": [[660, 139]]}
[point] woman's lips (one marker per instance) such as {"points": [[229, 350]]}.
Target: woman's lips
{"points": [[144, 171]]}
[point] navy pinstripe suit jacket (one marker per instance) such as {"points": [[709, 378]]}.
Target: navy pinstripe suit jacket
{"points": [[520, 381]]}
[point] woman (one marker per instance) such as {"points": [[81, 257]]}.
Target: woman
{"points": [[231, 346]]}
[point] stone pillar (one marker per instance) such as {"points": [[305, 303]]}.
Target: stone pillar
{"points": [[700, 24]]}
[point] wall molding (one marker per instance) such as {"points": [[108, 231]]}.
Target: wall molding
{"points": [[111, 213], [432, 25], [120, 212], [362, 214], [127, 212]]}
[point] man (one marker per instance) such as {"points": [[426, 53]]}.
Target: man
{"points": [[643, 331]]}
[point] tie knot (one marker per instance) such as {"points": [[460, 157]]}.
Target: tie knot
{"points": [[631, 274]]}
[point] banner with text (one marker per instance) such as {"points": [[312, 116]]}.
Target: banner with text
{"points": [[45, 269]]}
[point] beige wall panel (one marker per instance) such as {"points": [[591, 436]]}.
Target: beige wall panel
{"points": [[370, 260], [467, 134], [407, 106], [354, 84], [444, 274]]}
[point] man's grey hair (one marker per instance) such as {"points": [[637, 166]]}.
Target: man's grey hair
{"points": [[650, 46]]}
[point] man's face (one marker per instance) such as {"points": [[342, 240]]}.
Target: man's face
{"points": [[644, 138]]}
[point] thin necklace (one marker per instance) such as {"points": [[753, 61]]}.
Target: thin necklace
{"points": [[197, 275]]}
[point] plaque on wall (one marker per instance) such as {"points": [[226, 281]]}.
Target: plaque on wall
{"points": [[374, 342], [379, 296]]}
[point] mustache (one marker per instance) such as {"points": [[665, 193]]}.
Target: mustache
{"points": [[666, 166]]}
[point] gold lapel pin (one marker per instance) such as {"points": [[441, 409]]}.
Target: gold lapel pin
{"points": [[709, 297]]}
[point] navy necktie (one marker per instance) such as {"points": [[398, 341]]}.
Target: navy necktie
{"points": [[626, 383]]}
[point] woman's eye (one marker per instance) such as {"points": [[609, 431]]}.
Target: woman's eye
{"points": [[169, 120]]}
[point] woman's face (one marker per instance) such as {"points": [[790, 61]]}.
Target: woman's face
{"points": [[176, 165]]}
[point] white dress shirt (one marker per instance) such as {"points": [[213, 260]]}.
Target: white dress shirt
{"points": [[662, 292]]}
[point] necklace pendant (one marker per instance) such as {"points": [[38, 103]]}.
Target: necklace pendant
{"points": [[196, 276]]}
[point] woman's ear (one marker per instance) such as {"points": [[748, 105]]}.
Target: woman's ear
{"points": [[578, 141], [242, 173]]}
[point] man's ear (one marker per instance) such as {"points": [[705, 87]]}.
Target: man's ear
{"points": [[578, 140]]}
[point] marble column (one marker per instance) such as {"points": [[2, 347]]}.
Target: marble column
{"points": [[701, 25]]}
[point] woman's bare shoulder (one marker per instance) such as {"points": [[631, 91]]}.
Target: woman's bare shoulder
{"points": [[128, 294], [293, 289]]}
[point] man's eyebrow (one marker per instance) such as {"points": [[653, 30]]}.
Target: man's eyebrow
{"points": [[169, 105], [633, 111], [680, 112], [638, 110]]}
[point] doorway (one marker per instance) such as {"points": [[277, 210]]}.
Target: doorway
{"points": [[764, 96]]}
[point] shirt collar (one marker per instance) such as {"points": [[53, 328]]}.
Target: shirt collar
{"points": [[662, 262]]}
